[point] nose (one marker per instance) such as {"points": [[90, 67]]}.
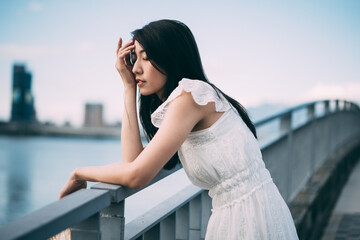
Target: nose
{"points": [[137, 68]]}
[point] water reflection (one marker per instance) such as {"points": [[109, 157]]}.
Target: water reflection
{"points": [[18, 182], [15, 180]]}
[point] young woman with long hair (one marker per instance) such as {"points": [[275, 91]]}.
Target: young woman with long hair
{"points": [[187, 118]]}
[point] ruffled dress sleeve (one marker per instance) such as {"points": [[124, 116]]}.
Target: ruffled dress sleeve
{"points": [[202, 92]]}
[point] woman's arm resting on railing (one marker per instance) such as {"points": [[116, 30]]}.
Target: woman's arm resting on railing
{"points": [[181, 117]]}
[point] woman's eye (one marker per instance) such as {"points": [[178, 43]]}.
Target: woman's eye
{"points": [[132, 57]]}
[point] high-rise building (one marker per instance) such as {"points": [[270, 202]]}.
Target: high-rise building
{"points": [[93, 115], [22, 107]]}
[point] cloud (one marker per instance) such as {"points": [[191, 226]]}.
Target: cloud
{"points": [[19, 51], [35, 6], [29, 51], [319, 91], [348, 91]]}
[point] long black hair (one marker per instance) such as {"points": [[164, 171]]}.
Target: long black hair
{"points": [[171, 48]]}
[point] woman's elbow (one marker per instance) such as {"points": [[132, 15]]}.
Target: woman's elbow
{"points": [[135, 185], [136, 180]]}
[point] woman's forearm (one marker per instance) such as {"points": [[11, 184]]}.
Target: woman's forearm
{"points": [[116, 173], [131, 145]]}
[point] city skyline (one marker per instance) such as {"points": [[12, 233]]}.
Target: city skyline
{"points": [[258, 53]]}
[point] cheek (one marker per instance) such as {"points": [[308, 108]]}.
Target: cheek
{"points": [[162, 80], [158, 76]]}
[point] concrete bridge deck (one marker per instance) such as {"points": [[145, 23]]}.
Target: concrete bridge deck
{"points": [[344, 222]]}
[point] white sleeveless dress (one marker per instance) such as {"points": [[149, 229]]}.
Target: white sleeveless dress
{"points": [[226, 159]]}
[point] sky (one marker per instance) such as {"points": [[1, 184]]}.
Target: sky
{"points": [[258, 52]]}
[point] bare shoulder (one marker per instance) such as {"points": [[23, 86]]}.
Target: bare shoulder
{"points": [[206, 115]]}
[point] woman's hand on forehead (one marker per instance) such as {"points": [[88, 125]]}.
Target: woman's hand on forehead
{"points": [[123, 64]]}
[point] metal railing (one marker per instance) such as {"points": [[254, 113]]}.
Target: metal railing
{"points": [[303, 139], [294, 144]]}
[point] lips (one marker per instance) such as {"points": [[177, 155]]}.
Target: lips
{"points": [[140, 82]]}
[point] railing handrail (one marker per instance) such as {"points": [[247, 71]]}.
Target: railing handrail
{"points": [[298, 107], [80, 205]]}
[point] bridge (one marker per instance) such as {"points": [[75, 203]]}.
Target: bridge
{"points": [[309, 149]]}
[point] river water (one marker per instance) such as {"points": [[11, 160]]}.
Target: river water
{"points": [[34, 169]]}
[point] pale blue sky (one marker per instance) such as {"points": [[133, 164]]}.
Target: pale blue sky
{"points": [[258, 52]]}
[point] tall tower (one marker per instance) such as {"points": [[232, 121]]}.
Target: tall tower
{"points": [[22, 107], [93, 115]]}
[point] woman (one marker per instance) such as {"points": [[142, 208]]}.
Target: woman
{"points": [[186, 117]]}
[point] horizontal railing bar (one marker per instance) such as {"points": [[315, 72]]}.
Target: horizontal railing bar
{"points": [[284, 135], [149, 219], [282, 113], [57, 216], [290, 110], [119, 193]]}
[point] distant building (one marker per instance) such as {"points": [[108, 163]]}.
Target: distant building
{"points": [[93, 115], [22, 107]]}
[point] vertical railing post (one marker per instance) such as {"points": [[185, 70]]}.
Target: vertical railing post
{"points": [[195, 218], [285, 127], [113, 221], [89, 229], [182, 222], [167, 228], [285, 123], [352, 107], [311, 112], [346, 105], [332, 133], [337, 124], [326, 107], [312, 121]]}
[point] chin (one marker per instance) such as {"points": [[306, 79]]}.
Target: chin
{"points": [[146, 93]]}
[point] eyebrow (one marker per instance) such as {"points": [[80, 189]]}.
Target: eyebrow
{"points": [[141, 51]]}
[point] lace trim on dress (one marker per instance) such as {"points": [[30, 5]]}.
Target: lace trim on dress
{"points": [[202, 94], [244, 197]]}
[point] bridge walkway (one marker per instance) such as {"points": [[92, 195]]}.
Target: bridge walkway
{"points": [[344, 222]]}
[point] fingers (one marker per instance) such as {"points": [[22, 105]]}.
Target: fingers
{"points": [[125, 51], [61, 195], [71, 189], [130, 43], [119, 46], [123, 57]]}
